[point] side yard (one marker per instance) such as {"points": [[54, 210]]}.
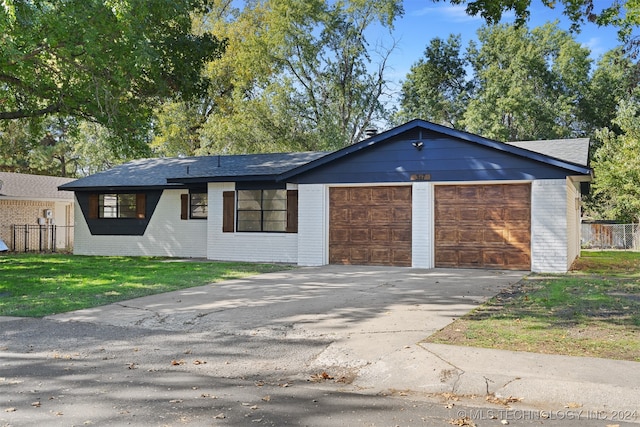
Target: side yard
{"points": [[40, 285], [592, 311]]}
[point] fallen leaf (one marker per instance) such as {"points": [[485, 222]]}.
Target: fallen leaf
{"points": [[199, 362], [502, 400], [466, 421], [449, 405], [220, 416], [36, 404], [254, 407], [176, 401], [321, 377], [58, 414], [504, 422], [10, 410], [267, 398], [132, 366], [177, 362]]}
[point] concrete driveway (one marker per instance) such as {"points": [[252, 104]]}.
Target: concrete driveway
{"points": [[371, 310], [241, 352]]}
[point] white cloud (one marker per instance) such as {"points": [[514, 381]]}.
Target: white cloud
{"points": [[453, 13]]}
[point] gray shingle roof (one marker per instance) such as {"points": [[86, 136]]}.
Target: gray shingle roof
{"points": [[570, 150], [156, 172], [25, 186]]}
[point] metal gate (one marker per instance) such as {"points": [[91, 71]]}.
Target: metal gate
{"points": [[40, 238]]}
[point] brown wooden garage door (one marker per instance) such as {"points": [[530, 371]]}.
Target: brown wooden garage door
{"points": [[483, 226], [370, 225]]}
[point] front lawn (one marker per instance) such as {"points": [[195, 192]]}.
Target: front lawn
{"points": [[39, 285], [592, 311]]}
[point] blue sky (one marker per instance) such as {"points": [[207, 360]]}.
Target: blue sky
{"points": [[424, 20]]}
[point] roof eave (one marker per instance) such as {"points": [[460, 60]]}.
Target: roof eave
{"points": [[227, 178]]}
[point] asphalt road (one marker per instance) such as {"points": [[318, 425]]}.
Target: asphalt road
{"points": [[279, 349]]}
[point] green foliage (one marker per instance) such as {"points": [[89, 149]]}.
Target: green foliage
{"points": [[436, 88], [529, 84], [39, 285], [107, 61], [616, 165], [296, 75], [525, 85]]}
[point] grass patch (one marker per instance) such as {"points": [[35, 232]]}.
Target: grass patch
{"points": [[592, 311], [40, 285]]}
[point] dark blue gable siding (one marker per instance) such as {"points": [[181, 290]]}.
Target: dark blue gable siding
{"points": [[442, 157]]}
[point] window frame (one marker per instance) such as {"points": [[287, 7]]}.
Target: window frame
{"points": [[125, 206], [205, 205], [263, 211]]}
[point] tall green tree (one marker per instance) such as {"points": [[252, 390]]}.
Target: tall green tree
{"points": [[437, 87], [107, 61], [529, 83], [617, 166], [296, 75]]}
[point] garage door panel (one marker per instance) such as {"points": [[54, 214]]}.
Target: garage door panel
{"points": [[337, 195], [518, 214], [381, 256], [339, 235], [401, 257], [359, 215], [360, 235], [472, 234], [447, 213], [358, 255], [382, 216], [380, 235], [468, 213], [377, 223], [401, 194], [483, 226], [381, 194], [401, 215], [360, 194], [470, 257], [339, 215], [469, 193]]}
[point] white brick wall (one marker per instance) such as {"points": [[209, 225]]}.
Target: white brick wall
{"points": [[422, 217], [573, 221], [253, 247], [166, 234], [549, 226], [312, 225]]}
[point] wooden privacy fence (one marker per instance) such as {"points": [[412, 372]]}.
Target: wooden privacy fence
{"points": [[610, 236], [40, 238]]}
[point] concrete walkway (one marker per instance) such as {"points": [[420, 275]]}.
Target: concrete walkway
{"points": [[366, 325]]}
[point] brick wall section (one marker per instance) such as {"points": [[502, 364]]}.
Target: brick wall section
{"points": [[20, 212], [422, 218], [549, 237], [166, 234], [573, 221], [252, 247], [312, 224]]}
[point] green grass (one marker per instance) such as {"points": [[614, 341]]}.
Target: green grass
{"points": [[592, 311], [40, 285]]}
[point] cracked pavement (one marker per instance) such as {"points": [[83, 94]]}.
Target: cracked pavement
{"points": [[311, 346]]}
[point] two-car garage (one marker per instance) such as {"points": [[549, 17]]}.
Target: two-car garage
{"points": [[475, 226]]}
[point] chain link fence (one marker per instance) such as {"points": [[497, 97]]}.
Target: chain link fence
{"points": [[611, 236]]}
